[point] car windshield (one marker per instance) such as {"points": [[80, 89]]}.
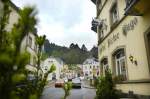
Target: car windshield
{"points": [[76, 80]]}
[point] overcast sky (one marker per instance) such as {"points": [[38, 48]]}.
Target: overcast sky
{"points": [[65, 21]]}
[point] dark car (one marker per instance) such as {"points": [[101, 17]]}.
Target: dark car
{"points": [[59, 83], [76, 83]]}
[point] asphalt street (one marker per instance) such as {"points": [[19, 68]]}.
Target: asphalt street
{"points": [[51, 92]]}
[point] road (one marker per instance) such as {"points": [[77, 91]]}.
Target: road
{"points": [[57, 93]]}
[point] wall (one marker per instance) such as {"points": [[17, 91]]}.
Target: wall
{"points": [[133, 43]]}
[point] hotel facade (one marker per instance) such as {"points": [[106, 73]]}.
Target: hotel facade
{"points": [[123, 29]]}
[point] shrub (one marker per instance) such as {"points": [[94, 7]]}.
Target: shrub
{"points": [[105, 87]]}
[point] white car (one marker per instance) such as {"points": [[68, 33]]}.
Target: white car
{"points": [[81, 77]]}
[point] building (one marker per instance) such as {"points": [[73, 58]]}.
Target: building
{"points": [[123, 31], [28, 43], [90, 67], [46, 65]]}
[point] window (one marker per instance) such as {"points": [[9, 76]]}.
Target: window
{"points": [[104, 64], [34, 61], [35, 47], [29, 61], [93, 67], [90, 67], [90, 72], [114, 14], [120, 64], [101, 35], [97, 67], [50, 61], [30, 42]]}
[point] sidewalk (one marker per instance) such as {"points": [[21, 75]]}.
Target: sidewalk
{"points": [[50, 84], [86, 84]]}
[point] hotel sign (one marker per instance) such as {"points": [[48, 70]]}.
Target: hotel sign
{"points": [[110, 41], [130, 26], [102, 48]]}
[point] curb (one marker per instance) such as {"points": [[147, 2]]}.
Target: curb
{"points": [[88, 87], [50, 84]]}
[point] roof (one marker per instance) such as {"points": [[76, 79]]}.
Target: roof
{"points": [[89, 60], [94, 1], [14, 6], [56, 58]]}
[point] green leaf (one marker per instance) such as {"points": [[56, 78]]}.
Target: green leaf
{"points": [[33, 96], [5, 59], [23, 59], [18, 77], [52, 69]]}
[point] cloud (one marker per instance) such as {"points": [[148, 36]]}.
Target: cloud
{"points": [[65, 21]]}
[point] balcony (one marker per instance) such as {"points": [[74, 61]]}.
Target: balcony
{"points": [[94, 28], [96, 23], [136, 7]]}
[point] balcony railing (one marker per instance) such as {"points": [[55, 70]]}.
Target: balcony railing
{"points": [[137, 7], [130, 9]]}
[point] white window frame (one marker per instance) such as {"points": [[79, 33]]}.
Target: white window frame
{"points": [[119, 66]]}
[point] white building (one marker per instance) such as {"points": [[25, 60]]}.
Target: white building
{"points": [[90, 67], [28, 43], [46, 65]]}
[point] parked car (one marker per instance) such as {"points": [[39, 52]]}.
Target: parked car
{"points": [[59, 83], [76, 83], [81, 77]]}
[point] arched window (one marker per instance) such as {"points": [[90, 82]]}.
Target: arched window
{"points": [[120, 64]]}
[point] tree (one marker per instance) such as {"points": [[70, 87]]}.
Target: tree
{"points": [[12, 62], [71, 46], [94, 52], [25, 25], [42, 82], [40, 42], [83, 48], [67, 87]]}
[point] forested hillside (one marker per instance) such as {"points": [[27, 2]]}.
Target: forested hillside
{"points": [[72, 55]]}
